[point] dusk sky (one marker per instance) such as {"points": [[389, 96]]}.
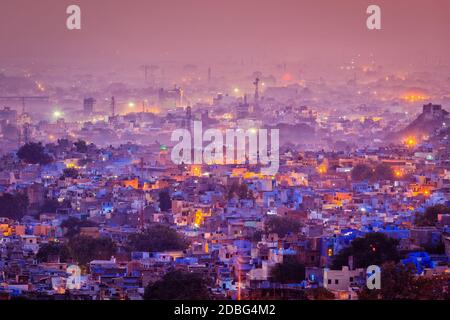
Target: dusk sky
{"points": [[210, 29]]}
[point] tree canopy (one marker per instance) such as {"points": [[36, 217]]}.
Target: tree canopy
{"points": [[320, 293], [53, 250], [72, 226], [85, 249], [165, 202], [398, 282], [240, 190], [34, 153], [81, 146], [13, 206], [290, 271], [361, 172], [373, 173], [430, 217], [157, 237], [372, 249], [178, 285], [69, 173], [282, 225]]}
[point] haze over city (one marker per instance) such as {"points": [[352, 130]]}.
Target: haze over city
{"points": [[135, 147]]}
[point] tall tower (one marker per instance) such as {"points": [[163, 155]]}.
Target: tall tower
{"points": [[113, 107], [209, 74], [256, 83], [188, 117], [88, 106]]}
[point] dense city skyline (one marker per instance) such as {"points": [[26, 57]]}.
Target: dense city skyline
{"points": [[239, 150]]}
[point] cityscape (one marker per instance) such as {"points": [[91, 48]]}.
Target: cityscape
{"points": [[239, 150]]}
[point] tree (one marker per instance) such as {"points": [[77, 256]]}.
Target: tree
{"points": [[239, 190], [49, 206], [52, 250], [64, 143], [34, 153], [178, 285], [383, 172], [72, 226], [13, 206], [157, 237], [430, 217], [290, 271], [361, 172], [282, 225], [320, 293], [85, 249], [69, 173], [165, 202], [372, 249], [399, 282], [81, 146]]}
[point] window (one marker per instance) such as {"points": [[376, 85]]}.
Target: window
{"points": [[329, 281], [336, 281], [351, 279]]}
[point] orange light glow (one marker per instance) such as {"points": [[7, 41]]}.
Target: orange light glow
{"points": [[198, 218], [322, 169], [411, 142], [414, 97], [287, 77], [196, 171]]}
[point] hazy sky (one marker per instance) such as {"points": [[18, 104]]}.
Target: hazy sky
{"points": [[203, 29]]}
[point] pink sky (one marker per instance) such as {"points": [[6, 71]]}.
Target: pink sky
{"points": [[202, 29]]}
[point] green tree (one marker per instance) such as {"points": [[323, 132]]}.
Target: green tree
{"points": [[372, 249], [13, 206], [178, 285], [85, 249], [282, 225], [290, 271], [34, 153], [157, 237], [430, 217]]}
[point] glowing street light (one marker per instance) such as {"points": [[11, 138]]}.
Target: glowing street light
{"points": [[411, 142], [57, 114]]}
